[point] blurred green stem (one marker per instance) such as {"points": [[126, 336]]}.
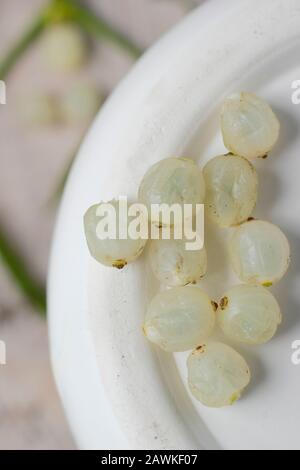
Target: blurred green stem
{"points": [[59, 188], [18, 270], [56, 11], [97, 26], [20, 47], [67, 10]]}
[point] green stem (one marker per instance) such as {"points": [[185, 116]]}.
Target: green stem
{"points": [[18, 270], [20, 47], [95, 25], [67, 10], [59, 188]]}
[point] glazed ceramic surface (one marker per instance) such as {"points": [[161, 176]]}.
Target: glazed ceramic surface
{"points": [[119, 392]]}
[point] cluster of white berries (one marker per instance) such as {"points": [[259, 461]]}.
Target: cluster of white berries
{"points": [[183, 317]]}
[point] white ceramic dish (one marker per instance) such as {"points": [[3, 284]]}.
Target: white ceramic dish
{"points": [[117, 391]]}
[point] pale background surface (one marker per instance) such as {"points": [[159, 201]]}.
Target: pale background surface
{"points": [[31, 163]]}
